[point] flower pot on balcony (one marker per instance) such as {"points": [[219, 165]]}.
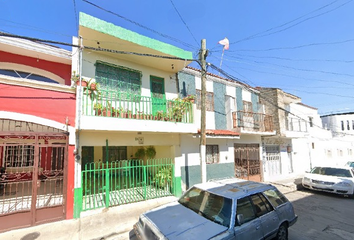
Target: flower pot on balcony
{"points": [[107, 113], [83, 83]]}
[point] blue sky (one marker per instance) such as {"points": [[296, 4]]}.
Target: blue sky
{"points": [[304, 47]]}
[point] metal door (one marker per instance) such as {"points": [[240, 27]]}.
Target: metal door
{"points": [[157, 87], [32, 179], [273, 163], [247, 162]]}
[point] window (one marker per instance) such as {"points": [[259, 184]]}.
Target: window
{"points": [[120, 78], [311, 121], [213, 207], [209, 100], [275, 197], [348, 125], [244, 207], [26, 75], [247, 106], [353, 124], [115, 153], [261, 204], [212, 154], [19, 156], [342, 124]]}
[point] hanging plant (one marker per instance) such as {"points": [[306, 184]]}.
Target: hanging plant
{"points": [[150, 152], [140, 153]]}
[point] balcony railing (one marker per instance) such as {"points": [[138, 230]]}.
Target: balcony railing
{"points": [[113, 104], [296, 125], [249, 121]]}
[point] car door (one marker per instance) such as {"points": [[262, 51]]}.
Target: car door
{"points": [[250, 227], [267, 215]]}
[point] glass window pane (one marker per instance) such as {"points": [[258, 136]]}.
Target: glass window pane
{"points": [[245, 208]]}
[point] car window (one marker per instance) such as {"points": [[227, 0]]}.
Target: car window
{"points": [[275, 197], [211, 206], [244, 207], [328, 171], [261, 205]]}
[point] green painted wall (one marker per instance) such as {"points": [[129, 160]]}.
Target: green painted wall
{"points": [[178, 187], [124, 34], [219, 105], [186, 84], [192, 174], [77, 202]]}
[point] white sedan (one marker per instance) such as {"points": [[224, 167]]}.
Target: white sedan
{"points": [[339, 180]]}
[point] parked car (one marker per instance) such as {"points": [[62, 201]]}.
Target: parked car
{"points": [[339, 180], [224, 209], [350, 164]]}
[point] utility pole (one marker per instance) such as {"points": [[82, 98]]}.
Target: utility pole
{"points": [[202, 58]]}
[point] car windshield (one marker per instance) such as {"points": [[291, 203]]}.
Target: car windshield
{"points": [[211, 206], [350, 164], [337, 172]]}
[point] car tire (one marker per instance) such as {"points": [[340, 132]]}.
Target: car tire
{"points": [[282, 233]]}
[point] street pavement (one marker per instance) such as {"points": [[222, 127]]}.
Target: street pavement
{"points": [[321, 216]]}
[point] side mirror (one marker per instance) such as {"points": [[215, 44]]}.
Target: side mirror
{"points": [[240, 219]]}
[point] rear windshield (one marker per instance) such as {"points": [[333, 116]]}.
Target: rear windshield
{"points": [[213, 207], [337, 172]]}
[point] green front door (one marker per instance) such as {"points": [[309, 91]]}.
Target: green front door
{"points": [[157, 86]]}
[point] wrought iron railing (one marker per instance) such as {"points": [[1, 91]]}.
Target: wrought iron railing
{"points": [[116, 104], [296, 125], [127, 181], [252, 121]]}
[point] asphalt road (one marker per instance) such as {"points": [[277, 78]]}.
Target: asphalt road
{"points": [[322, 216]]}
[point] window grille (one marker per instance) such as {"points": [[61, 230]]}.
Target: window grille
{"points": [[19, 156], [113, 77], [209, 100], [212, 154]]}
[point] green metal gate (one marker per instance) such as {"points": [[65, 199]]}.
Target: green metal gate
{"points": [[126, 181]]}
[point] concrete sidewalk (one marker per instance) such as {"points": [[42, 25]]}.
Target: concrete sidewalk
{"points": [[102, 224], [292, 182]]}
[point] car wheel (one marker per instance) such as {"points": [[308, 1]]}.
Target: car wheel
{"points": [[282, 233]]}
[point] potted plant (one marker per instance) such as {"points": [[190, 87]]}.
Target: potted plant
{"points": [[163, 178], [140, 153], [98, 108], [75, 78], [189, 98], [93, 90], [150, 152], [107, 110]]}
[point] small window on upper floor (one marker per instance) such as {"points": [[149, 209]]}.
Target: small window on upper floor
{"points": [[311, 121], [348, 125], [353, 124], [342, 125], [209, 100]]}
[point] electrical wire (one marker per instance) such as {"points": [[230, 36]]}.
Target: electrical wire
{"points": [[185, 24], [258, 35], [94, 49], [76, 17]]}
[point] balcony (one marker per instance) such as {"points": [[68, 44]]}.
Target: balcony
{"points": [[252, 122], [296, 125], [114, 110]]}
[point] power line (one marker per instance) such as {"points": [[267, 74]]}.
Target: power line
{"points": [[294, 47], [76, 17], [142, 26], [258, 35], [291, 59], [94, 49], [184, 22]]}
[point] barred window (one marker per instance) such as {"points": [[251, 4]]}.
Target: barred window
{"points": [[115, 153], [212, 154], [209, 100], [19, 156], [114, 77]]}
